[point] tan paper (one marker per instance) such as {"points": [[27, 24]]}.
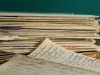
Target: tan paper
{"points": [[22, 65], [50, 51]]}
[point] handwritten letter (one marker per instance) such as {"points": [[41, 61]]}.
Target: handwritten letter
{"points": [[22, 65], [50, 51]]}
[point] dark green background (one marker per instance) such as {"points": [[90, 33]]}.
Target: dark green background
{"points": [[55, 6], [91, 7]]}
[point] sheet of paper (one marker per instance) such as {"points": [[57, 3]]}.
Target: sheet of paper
{"points": [[22, 65], [8, 37], [44, 14], [50, 51]]}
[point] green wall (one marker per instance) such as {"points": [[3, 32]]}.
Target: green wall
{"points": [[55, 6], [91, 7]]}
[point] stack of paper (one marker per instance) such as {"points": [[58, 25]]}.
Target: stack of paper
{"points": [[24, 32], [50, 59]]}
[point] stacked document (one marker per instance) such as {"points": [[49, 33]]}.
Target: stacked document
{"points": [[24, 32], [50, 59]]}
